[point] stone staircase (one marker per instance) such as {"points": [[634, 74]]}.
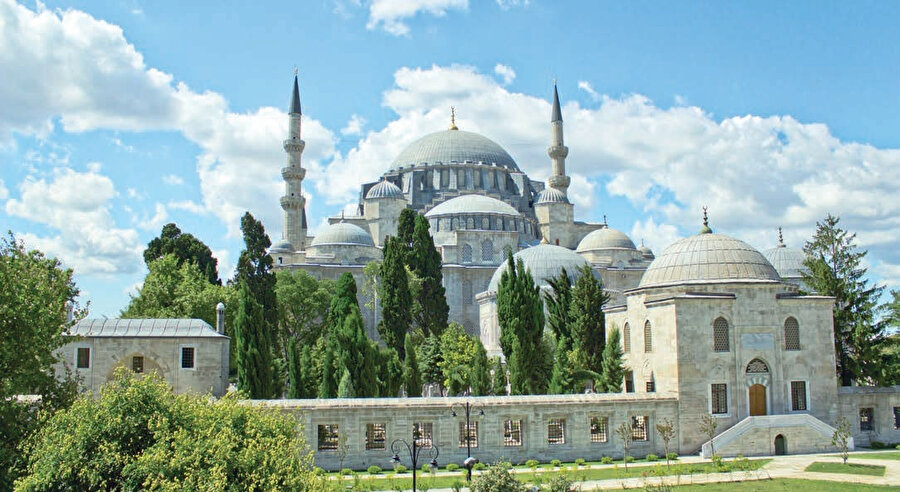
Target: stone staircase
{"points": [[755, 436]]}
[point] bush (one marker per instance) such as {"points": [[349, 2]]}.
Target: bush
{"points": [[556, 463], [579, 462], [606, 460], [479, 466], [400, 469], [426, 468], [651, 457], [452, 467], [559, 483], [717, 462], [629, 459], [672, 455], [496, 479], [374, 470], [346, 471], [532, 464]]}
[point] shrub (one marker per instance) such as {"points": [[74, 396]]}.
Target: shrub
{"points": [[319, 471], [399, 469], [479, 466], [346, 471], [556, 463], [559, 483], [628, 459], [878, 445], [532, 464], [672, 456], [717, 461], [606, 460], [452, 467], [374, 470], [497, 478], [579, 462], [651, 457], [426, 468]]}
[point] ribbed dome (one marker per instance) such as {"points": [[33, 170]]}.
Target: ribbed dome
{"points": [[708, 258], [472, 204], [605, 238], [544, 261], [384, 189], [454, 145], [551, 195], [282, 246], [343, 233], [788, 262]]}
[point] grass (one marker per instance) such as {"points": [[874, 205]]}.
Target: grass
{"points": [[792, 484], [851, 468], [885, 455]]}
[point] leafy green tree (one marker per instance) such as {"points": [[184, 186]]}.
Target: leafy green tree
{"points": [[343, 302], [561, 380], [588, 321], [355, 355], [520, 311], [329, 385], [186, 248], [613, 366], [458, 352], [345, 387], [396, 301], [834, 268], [137, 435], [431, 310], [498, 382], [480, 379], [303, 302], [497, 478], [255, 366], [430, 360], [255, 268], [411, 378], [559, 300]]}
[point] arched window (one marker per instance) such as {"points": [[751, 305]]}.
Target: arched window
{"points": [[485, 223], [648, 338], [470, 223], [626, 339], [791, 334], [720, 335], [467, 295], [466, 253], [487, 251], [757, 366]]}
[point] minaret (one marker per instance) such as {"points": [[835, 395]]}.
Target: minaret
{"points": [[293, 203], [558, 151]]}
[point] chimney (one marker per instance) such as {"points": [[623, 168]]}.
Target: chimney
{"points": [[220, 318], [70, 312]]}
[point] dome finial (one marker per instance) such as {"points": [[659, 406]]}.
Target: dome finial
{"points": [[453, 118], [604, 220], [705, 229], [544, 240], [780, 238]]}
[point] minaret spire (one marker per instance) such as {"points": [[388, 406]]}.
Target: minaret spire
{"points": [[558, 150], [293, 203]]}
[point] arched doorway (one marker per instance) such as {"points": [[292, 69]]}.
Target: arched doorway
{"points": [[757, 400], [757, 381], [780, 445]]}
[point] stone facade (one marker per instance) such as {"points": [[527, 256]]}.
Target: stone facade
{"points": [[857, 403]]}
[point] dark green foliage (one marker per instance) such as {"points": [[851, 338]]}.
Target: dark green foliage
{"points": [[254, 356], [328, 385], [396, 303], [520, 312], [613, 368], [254, 267], [559, 299], [498, 382], [411, 378], [406, 226], [835, 269], [431, 310], [588, 323], [497, 478], [561, 380], [303, 302], [186, 248], [480, 379], [295, 370], [343, 302], [430, 359], [345, 387], [354, 354], [390, 372]]}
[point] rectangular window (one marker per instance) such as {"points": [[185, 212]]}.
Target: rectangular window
{"points": [[866, 419], [651, 386], [599, 426], [137, 364], [512, 433], [556, 431], [639, 427], [718, 398], [896, 418], [798, 396], [423, 432], [328, 437], [375, 437], [83, 356], [629, 382], [187, 357], [471, 436]]}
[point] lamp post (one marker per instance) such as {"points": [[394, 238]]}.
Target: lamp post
{"points": [[413, 451], [468, 408]]}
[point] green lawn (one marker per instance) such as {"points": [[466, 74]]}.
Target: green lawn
{"points": [[851, 468], [885, 455], [794, 485]]}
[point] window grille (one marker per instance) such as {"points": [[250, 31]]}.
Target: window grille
{"points": [[639, 427], [719, 396], [896, 418], [137, 364], [866, 419], [720, 335], [556, 431], [328, 437], [466, 253], [599, 427], [376, 436], [187, 357], [485, 223], [423, 433], [83, 356], [757, 366], [512, 433], [648, 338], [651, 386], [471, 436], [470, 223], [487, 250], [798, 396], [629, 382], [468, 294], [791, 334], [626, 339]]}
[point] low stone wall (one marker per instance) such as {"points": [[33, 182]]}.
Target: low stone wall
{"points": [[539, 417], [885, 405]]}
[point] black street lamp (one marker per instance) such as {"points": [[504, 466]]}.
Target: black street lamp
{"points": [[413, 451], [468, 408]]}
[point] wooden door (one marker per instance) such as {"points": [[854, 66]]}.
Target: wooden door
{"points": [[757, 400]]}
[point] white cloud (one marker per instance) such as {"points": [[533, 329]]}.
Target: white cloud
{"points": [[505, 4], [587, 87], [354, 125], [154, 223], [4, 193], [653, 235], [224, 265], [173, 180], [76, 206], [391, 15], [507, 73], [188, 206]]}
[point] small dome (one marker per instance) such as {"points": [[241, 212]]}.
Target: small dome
{"points": [[282, 246], [472, 204], [343, 233], [605, 238], [384, 189], [454, 145], [708, 258], [551, 195], [788, 262], [646, 252], [544, 261]]}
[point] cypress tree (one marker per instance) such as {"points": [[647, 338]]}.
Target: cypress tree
{"points": [[254, 268], [406, 225], [508, 302], [308, 384], [254, 358], [354, 355], [425, 261], [520, 310], [613, 367], [561, 381], [558, 300], [345, 387], [328, 385], [295, 370], [343, 302], [390, 372], [430, 359], [411, 378], [396, 299], [518, 384], [480, 379], [588, 322], [498, 383]]}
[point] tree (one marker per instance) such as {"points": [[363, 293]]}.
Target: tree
{"points": [[520, 311], [355, 354], [345, 387], [295, 370], [626, 434], [303, 302], [834, 268], [411, 378], [561, 380], [458, 352], [255, 268], [390, 372], [666, 431], [841, 437], [430, 360], [255, 367], [588, 323], [558, 300], [613, 367], [396, 301], [152, 439], [328, 386], [424, 260], [708, 426], [186, 248], [498, 386], [480, 378], [406, 228]]}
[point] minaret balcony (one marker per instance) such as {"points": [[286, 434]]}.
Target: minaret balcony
{"points": [[559, 182], [293, 173], [558, 152], [292, 202], [292, 145]]}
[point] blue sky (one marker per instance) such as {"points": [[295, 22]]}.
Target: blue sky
{"points": [[120, 116]]}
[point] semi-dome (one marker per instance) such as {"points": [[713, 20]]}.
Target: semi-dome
{"points": [[544, 261], [605, 238], [343, 233], [454, 145], [788, 262], [472, 204], [708, 258], [551, 195], [282, 246], [384, 189]]}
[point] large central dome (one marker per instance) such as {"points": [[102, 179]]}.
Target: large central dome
{"points": [[454, 145]]}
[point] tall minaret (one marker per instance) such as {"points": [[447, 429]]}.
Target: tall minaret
{"points": [[558, 151], [292, 202]]}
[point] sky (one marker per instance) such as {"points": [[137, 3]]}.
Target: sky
{"points": [[117, 117]]}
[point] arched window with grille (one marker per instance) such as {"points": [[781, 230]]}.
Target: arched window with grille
{"points": [[648, 337], [626, 339], [487, 250], [468, 296], [466, 254], [791, 334], [720, 335], [470, 223]]}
